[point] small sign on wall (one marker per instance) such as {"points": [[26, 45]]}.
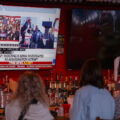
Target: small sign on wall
{"points": [[60, 45]]}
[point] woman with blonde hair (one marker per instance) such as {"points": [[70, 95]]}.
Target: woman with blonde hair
{"points": [[30, 101]]}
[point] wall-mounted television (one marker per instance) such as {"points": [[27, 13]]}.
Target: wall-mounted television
{"points": [[95, 33], [28, 37]]}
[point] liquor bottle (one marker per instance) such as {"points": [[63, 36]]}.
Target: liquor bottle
{"points": [[56, 97], [65, 85], [65, 100], [47, 82], [2, 101], [49, 89], [60, 83], [57, 90], [69, 86], [75, 85]]}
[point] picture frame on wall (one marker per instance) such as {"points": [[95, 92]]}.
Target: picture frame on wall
{"points": [[60, 45]]}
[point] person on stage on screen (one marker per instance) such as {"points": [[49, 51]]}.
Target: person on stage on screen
{"points": [[92, 99], [49, 39], [30, 101], [37, 39], [25, 28]]}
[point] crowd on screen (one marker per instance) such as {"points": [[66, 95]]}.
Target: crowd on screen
{"points": [[9, 28]]}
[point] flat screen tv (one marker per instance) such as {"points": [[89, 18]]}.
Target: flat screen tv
{"points": [[28, 37], [94, 34]]}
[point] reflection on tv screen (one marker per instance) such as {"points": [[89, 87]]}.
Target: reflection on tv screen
{"points": [[94, 33]]}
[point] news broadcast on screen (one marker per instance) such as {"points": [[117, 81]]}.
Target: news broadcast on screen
{"points": [[28, 37]]}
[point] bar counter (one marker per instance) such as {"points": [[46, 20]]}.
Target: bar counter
{"points": [[64, 117]]}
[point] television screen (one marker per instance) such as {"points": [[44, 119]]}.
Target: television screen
{"points": [[28, 37], [94, 34]]}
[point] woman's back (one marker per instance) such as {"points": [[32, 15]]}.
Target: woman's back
{"points": [[91, 102], [30, 100], [35, 112]]}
